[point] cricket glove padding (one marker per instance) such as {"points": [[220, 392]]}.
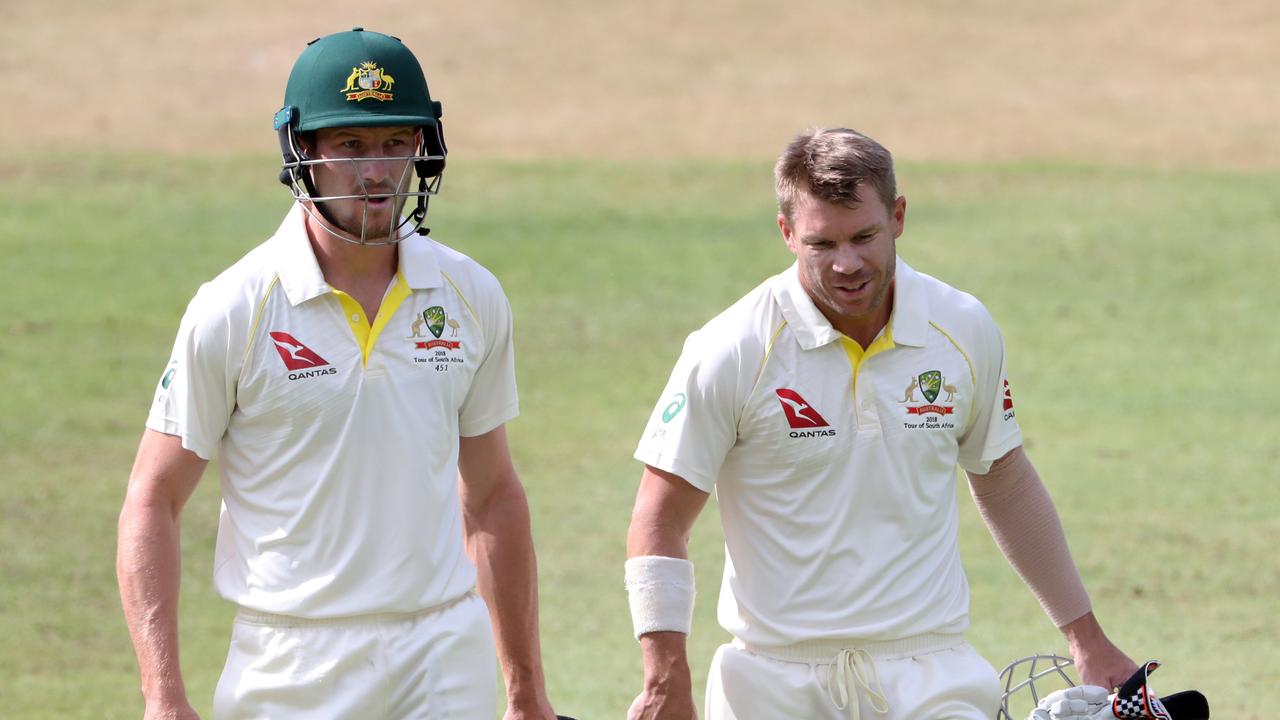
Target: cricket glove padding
{"points": [[1084, 702], [1135, 700]]}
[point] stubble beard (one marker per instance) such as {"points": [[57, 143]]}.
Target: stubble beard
{"points": [[828, 302], [377, 230]]}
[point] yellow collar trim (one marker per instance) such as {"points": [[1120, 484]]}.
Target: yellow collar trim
{"points": [[367, 335]]}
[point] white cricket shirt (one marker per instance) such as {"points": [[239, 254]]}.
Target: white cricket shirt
{"points": [[337, 435], [835, 469]]}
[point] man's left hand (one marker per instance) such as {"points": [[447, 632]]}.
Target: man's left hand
{"points": [[1103, 664], [534, 710], [1097, 659]]}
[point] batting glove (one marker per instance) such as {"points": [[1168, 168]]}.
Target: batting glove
{"points": [[1084, 702]]}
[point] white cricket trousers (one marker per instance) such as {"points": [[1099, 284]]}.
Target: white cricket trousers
{"points": [[933, 677], [438, 664]]}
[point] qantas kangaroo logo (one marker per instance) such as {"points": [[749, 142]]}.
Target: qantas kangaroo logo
{"points": [[297, 356], [801, 415]]}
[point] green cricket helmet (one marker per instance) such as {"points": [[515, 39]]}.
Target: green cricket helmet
{"points": [[361, 78]]}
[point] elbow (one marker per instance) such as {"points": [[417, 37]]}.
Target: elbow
{"points": [[505, 505]]}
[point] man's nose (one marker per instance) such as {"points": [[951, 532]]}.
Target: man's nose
{"points": [[375, 169], [847, 260]]}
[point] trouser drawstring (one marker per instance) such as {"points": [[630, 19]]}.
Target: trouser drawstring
{"points": [[851, 670]]}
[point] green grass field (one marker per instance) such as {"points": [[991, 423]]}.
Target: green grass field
{"points": [[1137, 305]]}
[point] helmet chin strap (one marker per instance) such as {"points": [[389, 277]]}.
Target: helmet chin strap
{"points": [[419, 214]]}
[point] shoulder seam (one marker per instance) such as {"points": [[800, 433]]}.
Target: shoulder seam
{"points": [[764, 362], [458, 290], [973, 373], [257, 319]]}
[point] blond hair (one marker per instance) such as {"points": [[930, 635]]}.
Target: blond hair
{"points": [[830, 164]]}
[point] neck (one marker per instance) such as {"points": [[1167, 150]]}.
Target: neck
{"points": [[864, 330], [348, 266]]}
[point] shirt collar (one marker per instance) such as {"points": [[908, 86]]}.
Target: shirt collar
{"points": [[908, 320], [418, 262], [300, 274]]}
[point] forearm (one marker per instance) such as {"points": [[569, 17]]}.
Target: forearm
{"points": [[148, 568], [500, 543], [666, 662], [660, 590], [648, 536], [656, 531], [1017, 509]]}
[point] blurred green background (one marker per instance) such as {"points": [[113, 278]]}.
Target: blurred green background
{"points": [[1106, 178]]}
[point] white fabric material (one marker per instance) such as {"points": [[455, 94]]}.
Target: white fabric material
{"points": [[1083, 702], [845, 529], [660, 591], [436, 665], [953, 683], [339, 481]]}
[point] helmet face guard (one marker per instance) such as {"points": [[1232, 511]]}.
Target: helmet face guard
{"points": [[1018, 683], [426, 164], [361, 79]]}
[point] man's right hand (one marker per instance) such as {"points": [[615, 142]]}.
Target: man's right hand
{"points": [[668, 689], [663, 703], [170, 711]]}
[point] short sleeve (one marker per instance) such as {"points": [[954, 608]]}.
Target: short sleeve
{"points": [[492, 399], [994, 430], [694, 424], [197, 391]]}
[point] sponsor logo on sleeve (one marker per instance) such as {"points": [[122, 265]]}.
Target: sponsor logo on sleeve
{"points": [[168, 374], [804, 419], [669, 413], [162, 392], [1008, 402], [673, 408]]}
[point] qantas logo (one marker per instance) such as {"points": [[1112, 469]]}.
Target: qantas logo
{"points": [[1008, 402], [801, 416], [295, 355], [299, 358]]}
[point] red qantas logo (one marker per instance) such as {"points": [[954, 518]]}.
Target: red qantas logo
{"points": [[800, 414], [1008, 396], [295, 355]]}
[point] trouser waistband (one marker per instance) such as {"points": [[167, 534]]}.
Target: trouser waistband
{"points": [[256, 617], [824, 652]]}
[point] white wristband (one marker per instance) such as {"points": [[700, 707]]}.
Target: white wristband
{"points": [[660, 590]]}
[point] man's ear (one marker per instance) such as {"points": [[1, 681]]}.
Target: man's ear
{"points": [[788, 233], [307, 143], [899, 216]]}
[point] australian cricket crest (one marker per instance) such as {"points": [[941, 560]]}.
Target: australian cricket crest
{"points": [[930, 384], [435, 320], [434, 317], [368, 81]]}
